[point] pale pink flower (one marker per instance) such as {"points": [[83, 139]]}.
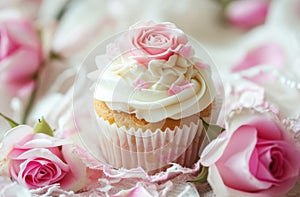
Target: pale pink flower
{"points": [[246, 14], [36, 160], [270, 53], [20, 55], [156, 41], [253, 157]]}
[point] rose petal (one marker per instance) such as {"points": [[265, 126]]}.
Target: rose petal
{"points": [[41, 140], [78, 176], [17, 68], [214, 150], [269, 53], [264, 125], [237, 154], [260, 77], [281, 152], [12, 137], [247, 14], [7, 45], [186, 51], [220, 189], [28, 38], [43, 153]]}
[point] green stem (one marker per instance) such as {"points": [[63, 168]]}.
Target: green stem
{"points": [[63, 10], [30, 104], [202, 177]]}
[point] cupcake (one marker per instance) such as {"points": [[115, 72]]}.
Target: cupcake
{"points": [[149, 98]]}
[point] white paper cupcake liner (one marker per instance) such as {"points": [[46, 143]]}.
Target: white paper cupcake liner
{"points": [[130, 148]]}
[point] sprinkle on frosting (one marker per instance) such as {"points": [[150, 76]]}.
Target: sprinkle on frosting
{"points": [[141, 84], [201, 65], [186, 51], [175, 89]]}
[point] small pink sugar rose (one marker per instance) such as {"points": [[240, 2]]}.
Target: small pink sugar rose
{"points": [[175, 89], [35, 159], [156, 41], [253, 157], [20, 54], [247, 14], [141, 84]]}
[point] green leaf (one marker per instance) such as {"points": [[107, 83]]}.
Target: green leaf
{"points": [[43, 127], [11, 122], [212, 131], [202, 177]]}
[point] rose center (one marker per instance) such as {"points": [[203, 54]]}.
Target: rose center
{"points": [[276, 165], [156, 40]]}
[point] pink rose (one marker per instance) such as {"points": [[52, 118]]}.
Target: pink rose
{"points": [[156, 41], [35, 160], [247, 14], [253, 157], [20, 54]]}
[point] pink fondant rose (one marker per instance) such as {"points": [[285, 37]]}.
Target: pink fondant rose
{"points": [[156, 41], [254, 157], [20, 54], [35, 159]]}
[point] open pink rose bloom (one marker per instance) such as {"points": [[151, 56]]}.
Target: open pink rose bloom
{"points": [[35, 160], [18, 42], [254, 156]]}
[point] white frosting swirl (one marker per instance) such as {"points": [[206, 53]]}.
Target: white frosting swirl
{"points": [[166, 89]]}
